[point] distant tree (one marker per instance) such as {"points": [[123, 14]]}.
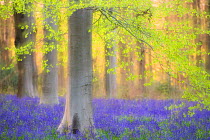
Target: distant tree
{"points": [[24, 42], [142, 68], [111, 64], [123, 60], [177, 46], [8, 78], [6, 34], [50, 73], [208, 41], [110, 69]]}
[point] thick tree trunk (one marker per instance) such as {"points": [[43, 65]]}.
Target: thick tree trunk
{"points": [[80, 60], [81, 70], [24, 40], [50, 76]]}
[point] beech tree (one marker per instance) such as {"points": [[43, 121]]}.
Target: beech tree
{"points": [[6, 32], [111, 63], [24, 42], [50, 73], [110, 69], [80, 63], [208, 43], [142, 68]]}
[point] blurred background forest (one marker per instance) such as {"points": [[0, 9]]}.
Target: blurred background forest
{"points": [[123, 70]]}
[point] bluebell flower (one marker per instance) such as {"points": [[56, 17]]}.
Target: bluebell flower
{"points": [[125, 119]]}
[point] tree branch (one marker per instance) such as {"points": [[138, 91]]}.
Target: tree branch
{"points": [[121, 24]]}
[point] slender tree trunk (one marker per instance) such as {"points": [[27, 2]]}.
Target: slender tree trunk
{"points": [[50, 76], [6, 34], [35, 74], [208, 43], [111, 64], [25, 39], [61, 77], [197, 24], [80, 60], [131, 70], [123, 84], [150, 70], [142, 69], [111, 80]]}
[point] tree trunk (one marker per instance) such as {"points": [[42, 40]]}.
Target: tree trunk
{"points": [[61, 77], [123, 83], [208, 43], [6, 34], [50, 74], [142, 69], [65, 122], [80, 60], [81, 70], [25, 40], [111, 80], [197, 24], [111, 64]]}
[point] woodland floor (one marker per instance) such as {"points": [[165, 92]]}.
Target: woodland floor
{"points": [[114, 119]]}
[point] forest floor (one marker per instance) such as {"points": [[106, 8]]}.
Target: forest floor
{"points": [[116, 119]]}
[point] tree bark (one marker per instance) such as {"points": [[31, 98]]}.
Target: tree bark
{"points": [[123, 84], [142, 69], [197, 24], [62, 84], [80, 61], [6, 34], [25, 39], [208, 43], [50, 74], [81, 70], [111, 64], [111, 80], [65, 122]]}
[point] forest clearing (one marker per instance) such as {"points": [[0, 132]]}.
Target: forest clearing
{"points": [[96, 69]]}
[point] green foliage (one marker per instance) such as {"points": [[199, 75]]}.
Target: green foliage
{"points": [[46, 66], [5, 9], [171, 44], [201, 133], [131, 118], [176, 106], [128, 118], [27, 49]]}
